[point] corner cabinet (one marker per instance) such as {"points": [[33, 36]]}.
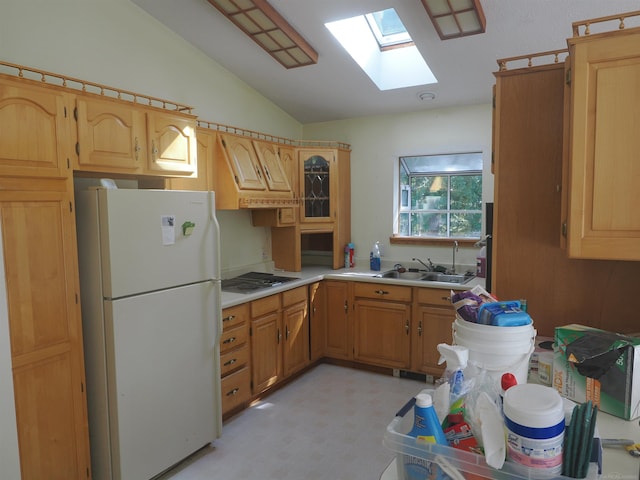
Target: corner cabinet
{"points": [[325, 196], [338, 342], [603, 217]]}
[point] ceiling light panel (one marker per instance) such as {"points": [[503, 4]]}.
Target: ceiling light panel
{"points": [[456, 18], [265, 26]]}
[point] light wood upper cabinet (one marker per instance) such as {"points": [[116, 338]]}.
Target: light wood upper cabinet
{"points": [[111, 136], [274, 174], [243, 162], [171, 142], [119, 137], [35, 130], [204, 178], [45, 327], [604, 166]]}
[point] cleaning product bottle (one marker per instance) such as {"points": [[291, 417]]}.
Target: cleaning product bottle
{"points": [[457, 357], [347, 260], [374, 257], [352, 252], [426, 428]]}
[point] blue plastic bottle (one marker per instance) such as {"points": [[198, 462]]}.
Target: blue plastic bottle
{"points": [[426, 428]]}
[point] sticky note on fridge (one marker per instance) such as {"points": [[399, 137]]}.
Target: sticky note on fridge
{"points": [[168, 223]]}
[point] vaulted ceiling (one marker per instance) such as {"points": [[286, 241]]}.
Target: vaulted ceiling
{"points": [[336, 88]]}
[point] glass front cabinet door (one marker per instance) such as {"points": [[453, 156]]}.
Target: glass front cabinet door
{"points": [[317, 185]]}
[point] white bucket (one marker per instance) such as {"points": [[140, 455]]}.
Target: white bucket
{"points": [[497, 350]]}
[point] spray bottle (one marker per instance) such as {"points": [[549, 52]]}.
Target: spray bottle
{"points": [[426, 428], [457, 358]]}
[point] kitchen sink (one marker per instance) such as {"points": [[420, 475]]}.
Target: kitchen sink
{"points": [[402, 275], [446, 277], [458, 278]]}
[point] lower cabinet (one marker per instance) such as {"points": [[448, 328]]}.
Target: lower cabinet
{"points": [[269, 339], [337, 341], [382, 325], [433, 317], [235, 366], [266, 336], [317, 320], [279, 337], [295, 326]]}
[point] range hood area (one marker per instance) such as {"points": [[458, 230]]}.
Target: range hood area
{"points": [[250, 175]]}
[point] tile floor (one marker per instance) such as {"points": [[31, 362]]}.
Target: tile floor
{"points": [[326, 425]]}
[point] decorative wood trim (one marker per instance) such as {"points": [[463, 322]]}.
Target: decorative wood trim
{"points": [[272, 138], [587, 23], [71, 83], [502, 62]]}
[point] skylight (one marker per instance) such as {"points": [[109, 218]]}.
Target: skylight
{"points": [[387, 27], [388, 69]]}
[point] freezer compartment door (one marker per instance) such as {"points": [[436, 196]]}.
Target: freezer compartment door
{"points": [[164, 400], [154, 239]]}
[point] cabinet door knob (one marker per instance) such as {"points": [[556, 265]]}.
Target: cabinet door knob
{"points": [[229, 340], [233, 392], [230, 362], [406, 326], [420, 328], [229, 318], [381, 292]]}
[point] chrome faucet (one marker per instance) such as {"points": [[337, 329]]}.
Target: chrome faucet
{"points": [[429, 267], [455, 249]]}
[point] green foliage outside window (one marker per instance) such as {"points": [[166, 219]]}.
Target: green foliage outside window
{"points": [[441, 205]]}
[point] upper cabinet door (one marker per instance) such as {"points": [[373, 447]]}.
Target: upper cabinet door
{"points": [[274, 173], [172, 143], [243, 162], [111, 136], [603, 217], [317, 185], [35, 136]]}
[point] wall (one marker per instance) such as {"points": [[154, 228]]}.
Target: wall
{"points": [[376, 144], [117, 44]]}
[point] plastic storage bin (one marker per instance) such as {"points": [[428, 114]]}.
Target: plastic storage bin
{"points": [[456, 463]]}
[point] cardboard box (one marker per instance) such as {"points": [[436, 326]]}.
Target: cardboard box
{"points": [[604, 367]]}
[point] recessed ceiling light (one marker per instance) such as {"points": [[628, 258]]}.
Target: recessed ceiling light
{"points": [[426, 96]]}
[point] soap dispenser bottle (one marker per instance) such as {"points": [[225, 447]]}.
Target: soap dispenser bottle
{"points": [[374, 257]]}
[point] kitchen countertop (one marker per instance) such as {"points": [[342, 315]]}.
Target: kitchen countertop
{"points": [[317, 273]]}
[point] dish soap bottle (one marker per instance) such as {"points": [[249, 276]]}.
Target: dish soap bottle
{"points": [[426, 428], [374, 258]]}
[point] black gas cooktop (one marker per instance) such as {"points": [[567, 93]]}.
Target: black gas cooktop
{"points": [[252, 281]]}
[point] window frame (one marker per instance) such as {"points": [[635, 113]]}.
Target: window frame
{"points": [[403, 203]]}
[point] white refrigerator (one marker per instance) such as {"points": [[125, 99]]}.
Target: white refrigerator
{"points": [[150, 292]]}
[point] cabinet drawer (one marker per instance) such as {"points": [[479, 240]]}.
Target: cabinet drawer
{"points": [[434, 296], [234, 316], [236, 389], [294, 296], [234, 337], [382, 291], [265, 305], [233, 360]]}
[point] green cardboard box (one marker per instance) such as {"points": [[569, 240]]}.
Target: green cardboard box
{"points": [[593, 364]]}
